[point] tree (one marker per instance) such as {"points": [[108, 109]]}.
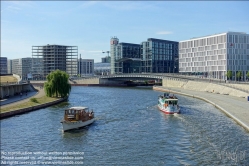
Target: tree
{"points": [[57, 84], [247, 74], [229, 74], [238, 75]]}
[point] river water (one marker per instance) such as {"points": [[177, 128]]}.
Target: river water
{"points": [[129, 130]]}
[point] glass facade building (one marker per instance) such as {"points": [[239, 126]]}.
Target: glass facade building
{"points": [[3, 65], [151, 56], [102, 68], [159, 56]]}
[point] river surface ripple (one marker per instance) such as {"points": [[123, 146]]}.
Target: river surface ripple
{"points": [[130, 130]]}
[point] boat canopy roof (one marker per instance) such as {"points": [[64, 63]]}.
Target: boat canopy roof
{"points": [[171, 99], [77, 108]]}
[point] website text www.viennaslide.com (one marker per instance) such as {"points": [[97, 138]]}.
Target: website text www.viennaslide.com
{"points": [[41, 158]]}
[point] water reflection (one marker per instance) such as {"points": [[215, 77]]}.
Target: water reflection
{"points": [[130, 130]]}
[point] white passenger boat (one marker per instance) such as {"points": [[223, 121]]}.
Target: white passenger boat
{"points": [[168, 103], [76, 117]]}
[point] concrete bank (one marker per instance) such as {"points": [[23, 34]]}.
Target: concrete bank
{"points": [[234, 107], [29, 109]]}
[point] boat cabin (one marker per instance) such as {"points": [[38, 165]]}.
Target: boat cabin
{"points": [[77, 113], [168, 102]]}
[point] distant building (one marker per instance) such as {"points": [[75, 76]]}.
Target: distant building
{"points": [[125, 57], [159, 56], [56, 57], [151, 56], [3, 65], [214, 55], [102, 68], [86, 67], [9, 66], [22, 67], [106, 59], [37, 69]]}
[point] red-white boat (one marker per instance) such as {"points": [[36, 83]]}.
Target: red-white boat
{"points": [[168, 103]]}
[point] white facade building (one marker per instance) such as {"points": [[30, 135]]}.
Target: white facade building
{"points": [[214, 55], [22, 67], [9, 66]]}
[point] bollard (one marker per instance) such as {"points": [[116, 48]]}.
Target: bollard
{"points": [[247, 98]]}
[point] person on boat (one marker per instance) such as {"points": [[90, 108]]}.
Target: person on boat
{"points": [[166, 104]]}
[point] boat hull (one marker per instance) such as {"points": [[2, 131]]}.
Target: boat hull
{"points": [[67, 125], [169, 111]]}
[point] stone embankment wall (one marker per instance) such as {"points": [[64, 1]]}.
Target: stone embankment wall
{"points": [[204, 86], [29, 109], [97, 81], [88, 81]]}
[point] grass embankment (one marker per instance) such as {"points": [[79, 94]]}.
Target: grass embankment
{"points": [[4, 79], [29, 103]]}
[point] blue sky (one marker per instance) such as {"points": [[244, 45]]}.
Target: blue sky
{"points": [[90, 24]]}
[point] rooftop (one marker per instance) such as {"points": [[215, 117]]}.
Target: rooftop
{"points": [[218, 34]]}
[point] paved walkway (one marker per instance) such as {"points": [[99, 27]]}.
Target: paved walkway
{"points": [[237, 107], [18, 100]]}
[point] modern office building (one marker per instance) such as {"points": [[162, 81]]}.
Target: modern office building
{"points": [[9, 66], [22, 67], [125, 57], [3, 65], [214, 55], [159, 56], [56, 57], [151, 56], [86, 67]]}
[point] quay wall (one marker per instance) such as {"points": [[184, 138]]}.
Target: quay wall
{"points": [[204, 87]]}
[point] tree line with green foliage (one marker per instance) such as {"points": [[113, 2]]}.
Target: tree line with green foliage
{"points": [[238, 74], [57, 84]]}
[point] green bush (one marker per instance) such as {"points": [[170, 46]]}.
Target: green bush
{"points": [[34, 100]]}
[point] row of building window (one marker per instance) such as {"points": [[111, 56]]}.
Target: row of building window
{"points": [[238, 39], [206, 63], [203, 69], [203, 42]]}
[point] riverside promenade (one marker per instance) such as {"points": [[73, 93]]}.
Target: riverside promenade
{"points": [[14, 100], [234, 107]]}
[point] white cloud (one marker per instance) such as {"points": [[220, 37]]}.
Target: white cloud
{"points": [[164, 33], [16, 6]]}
